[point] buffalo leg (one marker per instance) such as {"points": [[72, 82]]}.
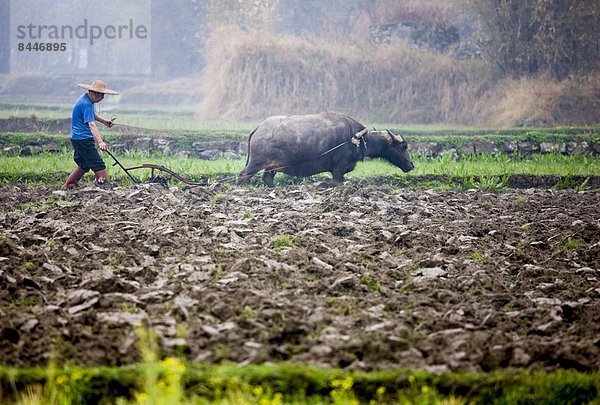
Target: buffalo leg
{"points": [[341, 169], [246, 174], [267, 177], [338, 176]]}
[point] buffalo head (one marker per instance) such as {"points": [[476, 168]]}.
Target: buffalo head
{"points": [[396, 151]]}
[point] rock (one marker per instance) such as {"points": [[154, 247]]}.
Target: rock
{"points": [[82, 307], [11, 150], [183, 301], [430, 272], [464, 239], [344, 282], [29, 325], [241, 265], [411, 356], [510, 147], [425, 148], [387, 234], [437, 369], [126, 344], [253, 345], [210, 330], [450, 153], [527, 148], [321, 350], [60, 193], [544, 301], [220, 230], [118, 299], [51, 147], [202, 357], [52, 268], [80, 295], [377, 326], [320, 263], [446, 332], [398, 343], [548, 327], [216, 330], [551, 147], [484, 147], [520, 358], [156, 296], [232, 277], [143, 144], [231, 155], [210, 154], [30, 150], [572, 148], [162, 145], [174, 342], [122, 318]]}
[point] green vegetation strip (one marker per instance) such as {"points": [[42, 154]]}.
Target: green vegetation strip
{"points": [[173, 381], [183, 136], [471, 171]]}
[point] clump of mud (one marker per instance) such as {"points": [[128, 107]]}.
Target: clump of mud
{"points": [[360, 277]]}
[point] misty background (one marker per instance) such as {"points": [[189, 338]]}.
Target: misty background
{"points": [[463, 62]]}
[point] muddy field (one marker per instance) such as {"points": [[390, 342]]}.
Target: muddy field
{"points": [[365, 277]]}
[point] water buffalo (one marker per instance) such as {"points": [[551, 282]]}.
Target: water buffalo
{"points": [[308, 144]]}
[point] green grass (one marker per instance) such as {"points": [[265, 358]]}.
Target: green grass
{"points": [[174, 381], [171, 380], [282, 242], [477, 171], [486, 164], [571, 244]]}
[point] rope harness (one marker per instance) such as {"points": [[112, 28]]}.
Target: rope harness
{"points": [[355, 140], [113, 118]]}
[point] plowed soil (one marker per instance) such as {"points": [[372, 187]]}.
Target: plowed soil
{"points": [[364, 277]]}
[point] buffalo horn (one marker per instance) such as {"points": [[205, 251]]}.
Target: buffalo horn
{"points": [[387, 136], [398, 138]]}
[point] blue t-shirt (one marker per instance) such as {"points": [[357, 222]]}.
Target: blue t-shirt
{"points": [[83, 113]]}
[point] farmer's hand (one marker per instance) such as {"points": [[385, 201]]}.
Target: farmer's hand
{"points": [[111, 122], [102, 145]]}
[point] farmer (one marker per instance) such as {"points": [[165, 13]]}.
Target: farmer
{"points": [[84, 132]]}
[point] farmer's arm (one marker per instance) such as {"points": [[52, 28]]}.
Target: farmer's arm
{"points": [[104, 121], [97, 137]]}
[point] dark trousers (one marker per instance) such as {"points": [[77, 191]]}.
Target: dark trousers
{"points": [[86, 155]]}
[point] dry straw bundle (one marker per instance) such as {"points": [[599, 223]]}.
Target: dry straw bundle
{"points": [[249, 76]]}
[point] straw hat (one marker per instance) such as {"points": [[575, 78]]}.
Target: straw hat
{"points": [[99, 87]]}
